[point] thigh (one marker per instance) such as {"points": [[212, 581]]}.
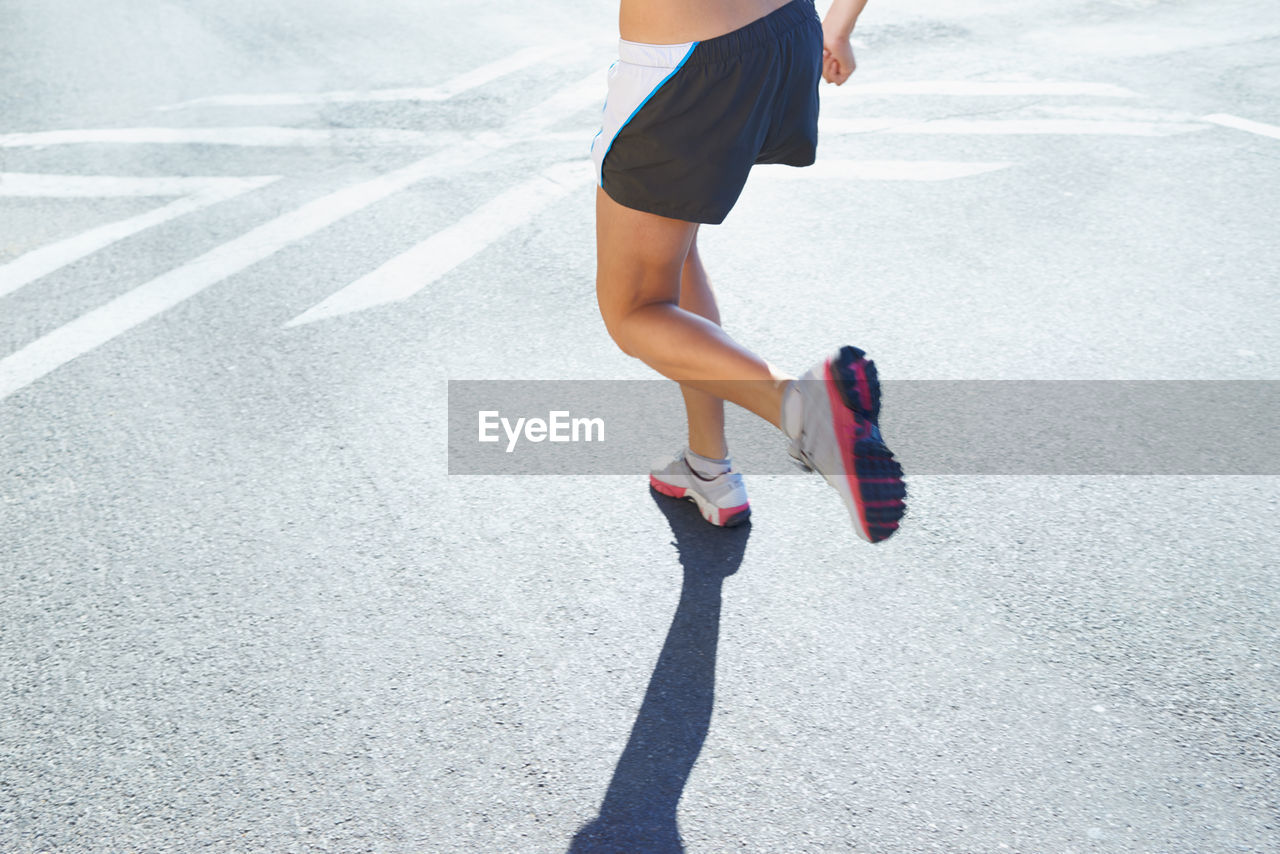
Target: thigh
{"points": [[639, 257]]}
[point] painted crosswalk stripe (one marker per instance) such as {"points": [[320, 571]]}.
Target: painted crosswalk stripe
{"points": [[1006, 127], [123, 313], [144, 302], [982, 88], [883, 170], [41, 262], [415, 269], [1260, 128], [49, 186], [442, 92], [259, 136], [496, 70], [400, 276]]}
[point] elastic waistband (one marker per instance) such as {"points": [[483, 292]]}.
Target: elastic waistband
{"points": [[777, 23], [740, 41]]}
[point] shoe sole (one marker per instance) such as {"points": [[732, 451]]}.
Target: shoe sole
{"points": [[721, 517], [873, 492]]}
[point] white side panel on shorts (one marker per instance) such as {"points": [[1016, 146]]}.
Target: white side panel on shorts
{"points": [[633, 80]]}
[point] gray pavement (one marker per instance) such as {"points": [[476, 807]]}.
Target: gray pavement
{"points": [[243, 606]]}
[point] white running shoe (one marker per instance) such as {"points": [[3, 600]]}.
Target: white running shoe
{"points": [[722, 500], [840, 439]]}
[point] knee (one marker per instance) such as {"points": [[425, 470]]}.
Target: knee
{"points": [[628, 298], [630, 323], [615, 324]]}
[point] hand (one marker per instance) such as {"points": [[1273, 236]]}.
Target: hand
{"points": [[837, 58]]}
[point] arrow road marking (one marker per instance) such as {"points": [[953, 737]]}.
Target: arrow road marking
{"points": [[983, 88], [1244, 124], [144, 302], [411, 271], [1003, 127], [442, 92], [34, 185], [883, 170], [41, 262], [239, 136]]}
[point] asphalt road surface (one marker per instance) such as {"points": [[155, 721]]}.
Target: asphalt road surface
{"points": [[243, 606]]}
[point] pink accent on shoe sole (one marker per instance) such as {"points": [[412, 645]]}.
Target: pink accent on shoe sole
{"points": [[846, 429], [864, 388], [720, 517], [668, 489], [728, 513]]}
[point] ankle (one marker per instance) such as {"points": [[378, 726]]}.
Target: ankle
{"points": [[707, 467], [708, 449]]}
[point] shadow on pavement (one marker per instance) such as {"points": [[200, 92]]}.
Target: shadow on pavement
{"points": [[639, 809]]}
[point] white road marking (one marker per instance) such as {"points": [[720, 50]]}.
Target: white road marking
{"points": [[408, 269], [41, 262], [1003, 127], [168, 290], [1248, 125], [34, 185], [588, 91], [442, 92], [415, 269], [1056, 126], [984, 88], [529, 124], [241, 136], [144, 302], [1144, 37], [839, 126], [883, 170]]}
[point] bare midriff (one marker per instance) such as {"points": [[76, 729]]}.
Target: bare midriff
{"points": [[680, 21]]}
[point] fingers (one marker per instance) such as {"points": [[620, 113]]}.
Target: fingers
{"points": [[833, 71], [837, 63], [844, 73]]}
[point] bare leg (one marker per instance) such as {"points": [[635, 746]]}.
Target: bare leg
{"points": [[640, 258], [705, 411]]}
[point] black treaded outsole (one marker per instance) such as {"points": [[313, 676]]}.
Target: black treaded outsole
{"points": [[879, 533], [873, 377], [847, 381], [882, 515], [876, 467], [878, 474]]}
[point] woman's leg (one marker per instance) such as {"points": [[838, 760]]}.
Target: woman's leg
{"points": [[640, 259], [705, 411]]}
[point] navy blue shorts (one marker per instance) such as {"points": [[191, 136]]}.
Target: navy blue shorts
{"points": [[684, 124]]}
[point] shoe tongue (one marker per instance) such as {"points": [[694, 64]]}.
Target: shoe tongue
{"points": [[792, 411]]}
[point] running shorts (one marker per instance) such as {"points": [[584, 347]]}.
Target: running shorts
{"points": [[684, 123]]}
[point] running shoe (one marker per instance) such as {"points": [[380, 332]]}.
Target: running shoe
{"points": [[840, 439], [722, 500]]}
